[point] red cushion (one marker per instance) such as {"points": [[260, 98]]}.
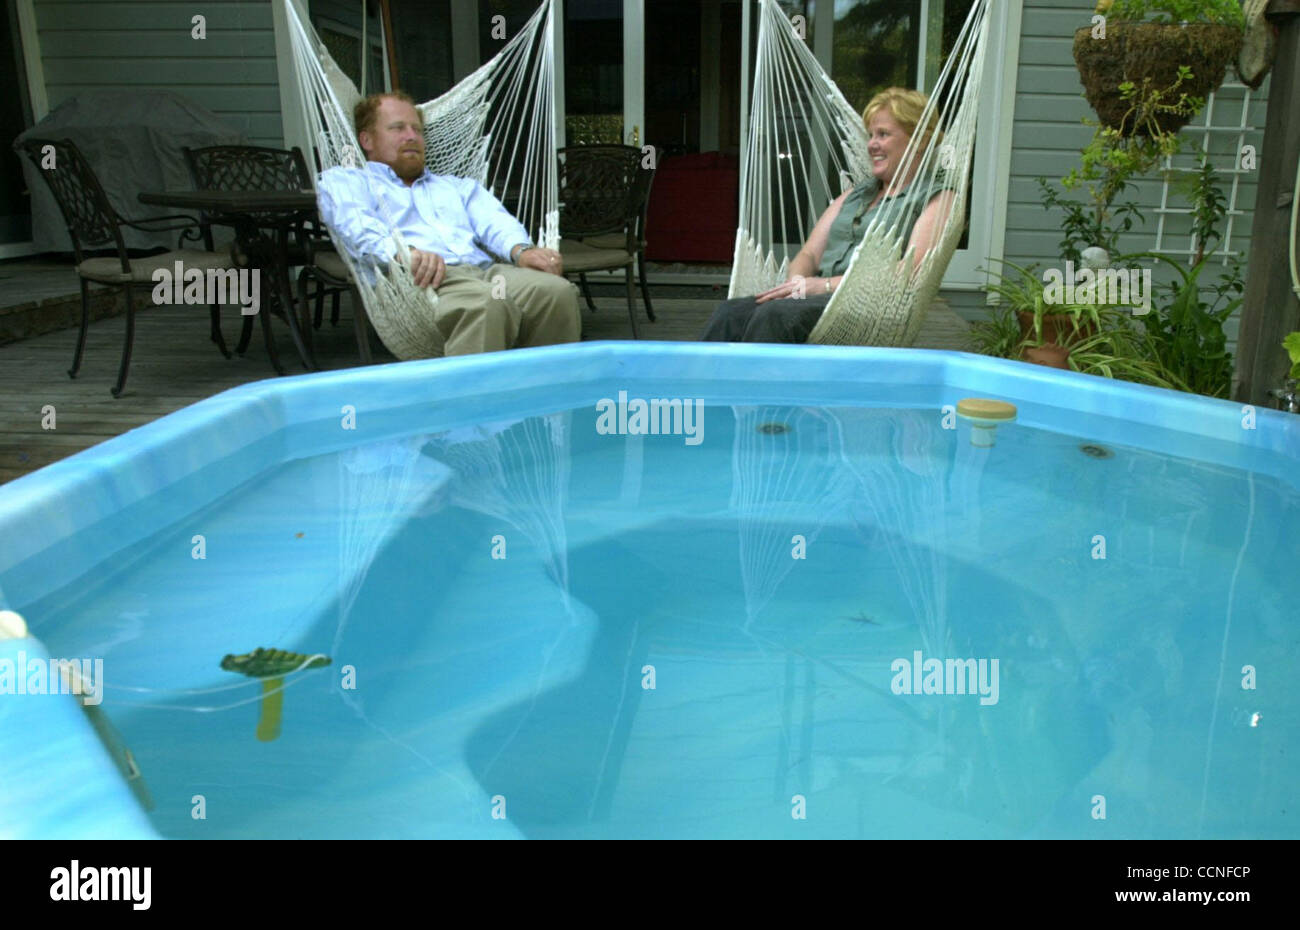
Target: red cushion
{"points": [[694, 209]]}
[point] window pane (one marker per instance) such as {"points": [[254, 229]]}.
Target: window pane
{"points": [[593, 71], [875, 47], [494, 32], [339, 25], [422, 46], [877, 44], [672, 76]]}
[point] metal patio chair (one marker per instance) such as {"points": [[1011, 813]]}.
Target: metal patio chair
{"points": [[92, 221], [604, 195]]}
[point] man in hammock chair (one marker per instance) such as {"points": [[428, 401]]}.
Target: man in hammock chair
{"points": [[790, 311], [457, 232]]}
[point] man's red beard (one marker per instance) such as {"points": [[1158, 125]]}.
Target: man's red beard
{"points": [[410, 165]]}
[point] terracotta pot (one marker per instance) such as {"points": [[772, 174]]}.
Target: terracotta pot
{"points": [[1140, 51], [1058, 335], [1049, 354], [1058, 328]]}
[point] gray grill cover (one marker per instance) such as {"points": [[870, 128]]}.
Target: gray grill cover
{"points": [[133, 142]]}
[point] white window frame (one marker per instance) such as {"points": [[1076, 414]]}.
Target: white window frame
{"points": [[992, 179], [633, 72]]}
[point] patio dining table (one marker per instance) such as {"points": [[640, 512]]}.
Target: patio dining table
{"points": [[262, 221]]}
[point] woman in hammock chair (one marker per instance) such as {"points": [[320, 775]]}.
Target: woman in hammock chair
{"points": [[789, 311]]}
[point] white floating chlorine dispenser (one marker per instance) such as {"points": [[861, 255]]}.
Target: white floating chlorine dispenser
{"points": [[985, 416], [12, 625]]}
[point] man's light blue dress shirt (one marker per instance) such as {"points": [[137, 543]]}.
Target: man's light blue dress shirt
{"points": [[456, 217]]}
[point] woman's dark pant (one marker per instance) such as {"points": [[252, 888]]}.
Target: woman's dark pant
{"points": [[744, 319]]}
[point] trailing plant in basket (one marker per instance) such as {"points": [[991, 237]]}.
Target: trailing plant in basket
{"points": [[1179, 49], [1227, 12]]}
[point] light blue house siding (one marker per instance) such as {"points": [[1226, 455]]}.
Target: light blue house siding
{"points": [[1048, 135], [101, 44]]}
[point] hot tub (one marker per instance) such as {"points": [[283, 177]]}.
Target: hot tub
{"points": [[644, 590]]}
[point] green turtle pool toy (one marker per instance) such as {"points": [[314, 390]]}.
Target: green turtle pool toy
{"points": [[271, 665]]}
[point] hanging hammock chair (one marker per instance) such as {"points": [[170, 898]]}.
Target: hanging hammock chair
{"points": [[807, 145], [496, 127]]}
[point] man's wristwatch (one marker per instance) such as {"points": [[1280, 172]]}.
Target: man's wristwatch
{"points": [[516, 255]]}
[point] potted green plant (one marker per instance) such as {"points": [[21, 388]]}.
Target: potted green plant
{"points": [[1171, 52], [1186, 337], [1044, 331], [1181, 344]]}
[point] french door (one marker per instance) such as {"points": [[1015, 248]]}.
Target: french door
{"points": [[600, 60]]}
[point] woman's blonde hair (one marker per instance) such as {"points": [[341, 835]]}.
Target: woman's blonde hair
{"points": [[906, 107]]}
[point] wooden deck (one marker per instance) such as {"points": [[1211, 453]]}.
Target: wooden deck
{"points": [[174, 364]]}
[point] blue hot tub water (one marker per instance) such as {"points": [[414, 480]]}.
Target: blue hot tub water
{"points": [[539, 629]]}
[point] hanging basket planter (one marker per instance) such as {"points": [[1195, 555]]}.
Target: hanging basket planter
{"points": [[1139, 52]]}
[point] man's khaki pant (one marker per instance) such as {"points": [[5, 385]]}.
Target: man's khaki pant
{"points": [[505, 307]]}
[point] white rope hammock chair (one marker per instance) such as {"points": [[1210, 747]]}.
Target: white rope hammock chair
{"points": [[496, 126], [807, 145]]}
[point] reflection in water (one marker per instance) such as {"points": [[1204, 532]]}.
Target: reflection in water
{"points": [[381, 485], [517, 472], [882, 475], [898, 504], [899, 507], [784, 486]]}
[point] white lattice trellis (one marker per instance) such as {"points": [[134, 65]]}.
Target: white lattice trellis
{"points": [[1223, 142]]}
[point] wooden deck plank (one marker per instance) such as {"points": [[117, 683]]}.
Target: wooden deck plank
{"points": [[175, 364]]}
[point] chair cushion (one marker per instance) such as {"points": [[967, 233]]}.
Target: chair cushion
{"points": [[109, 270], [579, 256], [332, 265], [607, 241]]}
